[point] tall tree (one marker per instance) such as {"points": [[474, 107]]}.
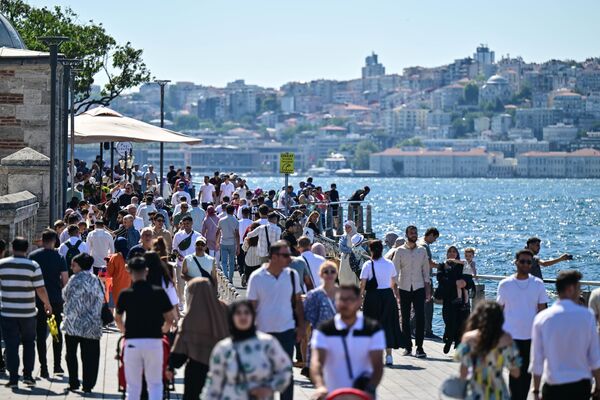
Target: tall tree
{"points": [[89, 42]]}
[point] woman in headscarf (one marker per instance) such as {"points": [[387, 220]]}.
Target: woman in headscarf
{"points": [[248, 364], [347, 275], [209, 231], [115, 268], [202, 327]]}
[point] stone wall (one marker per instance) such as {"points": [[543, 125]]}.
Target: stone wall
{"points": [[18, 216]]}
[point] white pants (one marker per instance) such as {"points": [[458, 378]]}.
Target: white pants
{"points": [[144, 356]]}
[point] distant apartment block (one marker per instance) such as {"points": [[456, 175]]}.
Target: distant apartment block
{"points": [[584, 163]]}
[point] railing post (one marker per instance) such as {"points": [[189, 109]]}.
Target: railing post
{"points": [[359, 212], [369, 224], [479, 294], [340, 220]]}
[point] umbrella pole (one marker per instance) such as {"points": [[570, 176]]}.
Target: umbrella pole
{"points": [[112, 162]]}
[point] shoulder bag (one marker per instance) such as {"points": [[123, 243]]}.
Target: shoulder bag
{"points": [[202, 271], [309, 271], [372, 283], [105, 315], [361, 382]]}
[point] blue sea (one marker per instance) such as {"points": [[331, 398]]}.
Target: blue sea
{"points": [[495, 216]]}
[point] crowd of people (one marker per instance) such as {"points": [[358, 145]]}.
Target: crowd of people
{"points": [[124, 253]]}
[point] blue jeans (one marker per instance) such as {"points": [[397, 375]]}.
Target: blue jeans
{"points": [[228, 260], [287, 339], [14, 332]]}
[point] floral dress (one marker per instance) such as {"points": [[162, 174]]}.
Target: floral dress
{"points": [[318, 307], [485, 374], [264, 363]]}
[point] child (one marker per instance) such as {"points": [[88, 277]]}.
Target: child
{"points": [[469, 272]]}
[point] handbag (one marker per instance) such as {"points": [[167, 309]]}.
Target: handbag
{"points": [[372, 283], [354, 263], [105, 314], [454, 387]]}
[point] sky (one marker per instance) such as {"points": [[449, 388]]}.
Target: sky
{"points": [[271, 42]]}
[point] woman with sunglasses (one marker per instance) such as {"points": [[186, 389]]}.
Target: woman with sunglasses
{"points": [[319, 305], [248, 364], [378, 285]]}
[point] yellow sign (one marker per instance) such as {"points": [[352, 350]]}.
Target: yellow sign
{"points": [[286, 163]]}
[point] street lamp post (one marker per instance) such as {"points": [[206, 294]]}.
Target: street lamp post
{"points": [[72, 68], [53, 42], [162, 83]]}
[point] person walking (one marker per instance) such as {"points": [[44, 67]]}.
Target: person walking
{"points": [[100, 245], [159, 230], [267, 234], [183, 245], [54, 271], [144, 313], [534, 244], [83, 296], [207, 193], [252, 261], [430, 237], [202, 327], [23, 279], [379, 290], [158, 275], [522, 296], [199, 264], [313, 261], [349, 263], [412, 264], [565, 348], [227, 238], [249, 364], [198, 215], [274, 291], [485, 351], [347, 349], [210, 226], [72, 246], [117, 270]]}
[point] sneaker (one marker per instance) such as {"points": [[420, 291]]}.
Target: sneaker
{"points": [[59, 371], [407, 352], [447, 346], [420, 353], [389, 360], [244, 280], [11, 384], [44, 372], [28, 380]]}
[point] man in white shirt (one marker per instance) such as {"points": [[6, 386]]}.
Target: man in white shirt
{"points": [[197, 214], [207, 193], [73, 241], [199, 264], [176, 198], [100, 245], [274, 290], [150, 175], [267, 235], [347, 347], [145, 209], [412, 265], [263, 214], [565, 348], [227, 188], [184, 244], [138, 223], [313, 260], [522, 295]]}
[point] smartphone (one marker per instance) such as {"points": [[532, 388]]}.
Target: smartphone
{"points": [[570, 257]]}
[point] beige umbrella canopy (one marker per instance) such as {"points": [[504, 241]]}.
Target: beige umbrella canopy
{"points": [[102, 124]]}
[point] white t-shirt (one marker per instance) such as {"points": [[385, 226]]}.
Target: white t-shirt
{"points": [[178, 194], [206, 193], [335, 369], [179, 237], [274, 299], [206, 263], [244, 224], [314, 262], [385, 271], [171, 293], [520, 299], [227, 189]]}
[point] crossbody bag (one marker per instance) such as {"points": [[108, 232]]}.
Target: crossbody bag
{"points": [[372, 283], [361, 382]]}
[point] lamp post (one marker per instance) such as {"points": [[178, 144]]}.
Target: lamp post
{"points": [[53, 42], [71, 65], [162, 83]]}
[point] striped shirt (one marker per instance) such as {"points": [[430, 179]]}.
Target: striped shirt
{"points": [[19, 277]]}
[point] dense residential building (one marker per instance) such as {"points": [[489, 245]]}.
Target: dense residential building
{"points": [[373, 67], [560, 135]]}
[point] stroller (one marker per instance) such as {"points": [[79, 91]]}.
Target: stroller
{"points": [[168, 386]]}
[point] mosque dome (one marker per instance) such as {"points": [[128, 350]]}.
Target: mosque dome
{"points": [[497, 80], [9, 37]]}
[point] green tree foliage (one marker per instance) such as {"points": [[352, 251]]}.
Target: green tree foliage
{"points": [[471, 94], [412, 142], [89, 42], [363, 150], [523, 95], [267, 103]]}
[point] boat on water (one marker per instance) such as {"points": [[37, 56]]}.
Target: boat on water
{"points": [[348, 172]]}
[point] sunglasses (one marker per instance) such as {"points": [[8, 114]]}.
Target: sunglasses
{"points": [[330, 272], [525, 262]]}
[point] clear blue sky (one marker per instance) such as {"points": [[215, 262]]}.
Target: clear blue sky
{"points": [[270, 42]]}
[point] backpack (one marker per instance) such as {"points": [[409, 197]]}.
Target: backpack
{"points": [[72, 251]]}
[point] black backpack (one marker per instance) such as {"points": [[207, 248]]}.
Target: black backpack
{"points": [[72, 251]]}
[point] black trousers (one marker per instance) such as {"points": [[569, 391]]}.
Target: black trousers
{"points": [[241, 261], [90, 360], [42, 333], [519, 387], [194, 379], [416, 299], [580, 390]]}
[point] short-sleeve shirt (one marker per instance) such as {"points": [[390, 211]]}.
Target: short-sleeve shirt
{"points": [[206, 263], [384, 272], [144, 306], [19, 277], [228, 225], [273, 295], [520, 299], [535, 268], [206, 193], [299, 265], [52, 266]]}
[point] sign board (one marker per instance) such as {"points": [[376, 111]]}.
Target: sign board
{"points": [[286, 163], [123, 148]]}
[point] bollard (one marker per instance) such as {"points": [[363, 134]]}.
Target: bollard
{"points": [[359, 219], [340, 221], [479, 294], [369, 225]]}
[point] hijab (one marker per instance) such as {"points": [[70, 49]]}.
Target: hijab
{"points": [[121, 247], [204, 324], [238, 335], [352, 232]]}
